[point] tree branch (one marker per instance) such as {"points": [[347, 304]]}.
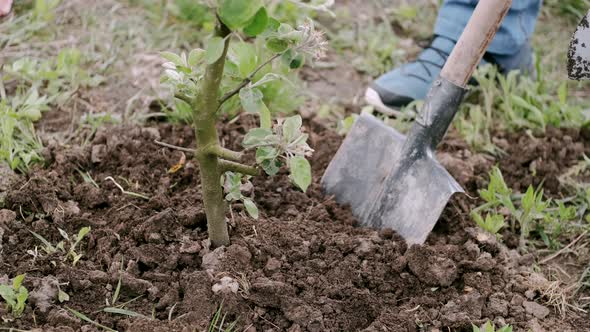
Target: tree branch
{"points": [[180, 148], [230, 166], [224, 153], [246, 80]]}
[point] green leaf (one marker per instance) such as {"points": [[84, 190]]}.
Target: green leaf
{"points": [[88, 320], [21, 298], [265, 118], [256, 137], [48, 247], [214, 50], [62, 296], [174, 58], [292, 128], [271, 166], [478, 219], [125, 312], [231, 186], [272, 25], [63, 234], [183, 109], [494, 223], [266, 153], [300, 172], [195, 56], [293, 59], [528, 200], [251, 100], [31, 113], [277, 45], [18, 281], [236, 14], [245, 57], [258, 23], [251, 208], [267, 158], [82, 233], [8, 294], [297, 62]]}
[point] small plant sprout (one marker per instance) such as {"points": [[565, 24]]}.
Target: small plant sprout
{"points": [[234, 185], [73, 243], [493, 223], [490, 327], [15, 296], [231, 71]]}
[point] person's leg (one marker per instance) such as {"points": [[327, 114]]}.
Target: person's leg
{"points": [[5, 6], [510, 50]]}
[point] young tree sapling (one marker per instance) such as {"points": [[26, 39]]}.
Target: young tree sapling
{"points": [[205, 80]]}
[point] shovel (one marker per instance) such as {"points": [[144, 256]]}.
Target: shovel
{"points": [[393, 181], [578, 55]]}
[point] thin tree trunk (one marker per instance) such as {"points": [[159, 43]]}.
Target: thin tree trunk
{"points": [[205, 108]]}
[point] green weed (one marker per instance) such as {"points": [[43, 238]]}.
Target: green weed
{"points": [[71, 241], [15, 296], [234, 184], [29, 87], [531, 212], [57, 78], [19, 144], [85, 318], [490, 327]]}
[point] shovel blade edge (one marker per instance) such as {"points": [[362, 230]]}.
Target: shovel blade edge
{"points": [[414, 198], [365, 158]]}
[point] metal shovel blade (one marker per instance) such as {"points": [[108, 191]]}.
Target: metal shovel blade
{"points": [[414, 197], [361, 164], [578, 56], [391, 181], [359, 170]]}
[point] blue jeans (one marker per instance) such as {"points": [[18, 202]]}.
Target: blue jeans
{"points": [[515, 31]]}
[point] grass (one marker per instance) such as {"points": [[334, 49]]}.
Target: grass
{"points": [[381, 41], [515, 102], [218, 322], [571, 9]]}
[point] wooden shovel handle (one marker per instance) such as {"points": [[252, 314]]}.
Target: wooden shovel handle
{"points": [[478, 34]]}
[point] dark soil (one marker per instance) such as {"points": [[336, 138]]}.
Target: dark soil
{"points": [[303, 266]]}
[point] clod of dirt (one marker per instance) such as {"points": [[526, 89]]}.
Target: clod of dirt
{"points": [[497, 305], [535, 309], [99, 152], [189, 246], [45, 293], [212, 259], [226, 285], [7, 217], [7, 177], [431, 266], [466, 308]]}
